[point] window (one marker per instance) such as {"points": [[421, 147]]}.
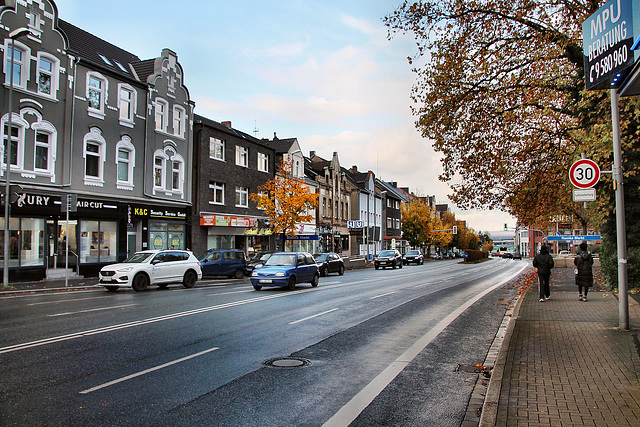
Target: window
{"points": [[176, 181], [93, 153], [242, 156], [126, 103], [96, 94], [98, 241], [18, 63], [178, 121], [216, 148], [41, 151], [216, 193], [158, 172], [26, 244], [16, 137], [242, 197], [263, 162], [162, 108], [45, 76], [389, 222], [125, 162]]}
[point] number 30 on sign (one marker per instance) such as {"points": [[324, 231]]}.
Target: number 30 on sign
{"points": [[584, 173]]}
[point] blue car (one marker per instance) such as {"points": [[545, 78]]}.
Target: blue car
{"points": [[286, 269]]}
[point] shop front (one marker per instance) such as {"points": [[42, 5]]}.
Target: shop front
{"points": [[248, 234], [44, 237]]}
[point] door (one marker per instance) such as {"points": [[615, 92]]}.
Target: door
{"points": [[132, 243]]}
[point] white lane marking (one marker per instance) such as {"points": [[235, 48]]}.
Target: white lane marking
{"points": [[97, 331], [349, 412], [230, 293], [90, 310], [311, 317], [146, 371], [62, 301], [382, 295]]}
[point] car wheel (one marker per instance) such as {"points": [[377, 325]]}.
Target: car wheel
{"points": [[238, 274], [257, 287], [323, 272], [140, 282], [292, 283], [394, 265], [112, 288], [189, 280], [377, 267], [400, 266], [341, 271], [315, 280]]}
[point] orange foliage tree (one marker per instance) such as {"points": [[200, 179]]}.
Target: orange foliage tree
{"points": [[286, 200]]}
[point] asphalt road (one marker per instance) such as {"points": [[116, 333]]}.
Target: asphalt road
{"points": [[377, 348]]}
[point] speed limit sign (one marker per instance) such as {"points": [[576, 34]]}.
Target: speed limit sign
{"points": [[584, 173]]}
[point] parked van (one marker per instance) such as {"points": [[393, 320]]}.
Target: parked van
{"points": [[223, 262]]}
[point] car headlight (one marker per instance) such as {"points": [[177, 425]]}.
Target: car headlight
{"points": [[280, 274], [254, 274], [124, 269]]}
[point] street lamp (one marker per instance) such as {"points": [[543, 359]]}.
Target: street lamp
{"points": [[13, 35]]}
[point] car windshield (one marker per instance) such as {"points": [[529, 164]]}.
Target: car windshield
{"points": [[262, 256], [412, 253], [387, 253], [139, 257], [281, 259], [321, 257]]}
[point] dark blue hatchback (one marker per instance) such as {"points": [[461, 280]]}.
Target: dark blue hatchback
{"points": [[223, 262], [286, 269]]}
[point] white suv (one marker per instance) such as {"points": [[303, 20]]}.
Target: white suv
{"points": [[152, 268]]}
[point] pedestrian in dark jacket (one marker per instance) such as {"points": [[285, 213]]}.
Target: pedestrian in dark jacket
{"points": [[544, 263], [584, 274]]}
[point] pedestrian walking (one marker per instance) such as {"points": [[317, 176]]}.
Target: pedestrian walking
{"points": [[544, 263], [584, 273]]}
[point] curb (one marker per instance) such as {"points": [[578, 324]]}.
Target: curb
{"points": [[498, 356]]}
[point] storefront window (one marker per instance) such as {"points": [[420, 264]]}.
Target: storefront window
{"points": [[26, 244], [220, 242], [163, 235], [98, 241]]}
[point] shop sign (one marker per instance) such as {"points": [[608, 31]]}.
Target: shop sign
{"points": [[158, 213], [306, 237], [227, 221], [25, 199]]}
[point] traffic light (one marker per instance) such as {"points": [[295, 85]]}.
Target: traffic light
{"points": [[455, 229], [505, 227]]}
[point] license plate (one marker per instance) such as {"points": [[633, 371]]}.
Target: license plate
{"points": [[106, 279], [383, 262], [266, 281]]}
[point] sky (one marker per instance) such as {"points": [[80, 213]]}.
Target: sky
{"points": [[322, 71]]}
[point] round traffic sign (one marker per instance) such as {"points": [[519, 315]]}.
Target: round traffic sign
{"points": [[584, 173]]}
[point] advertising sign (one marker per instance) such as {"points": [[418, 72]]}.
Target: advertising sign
{"points": [[608, 37]]}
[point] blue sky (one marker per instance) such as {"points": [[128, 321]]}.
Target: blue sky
{"points": [[321, 71]]}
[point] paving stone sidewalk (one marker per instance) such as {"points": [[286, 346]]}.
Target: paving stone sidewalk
{"points": [[567, 363]]}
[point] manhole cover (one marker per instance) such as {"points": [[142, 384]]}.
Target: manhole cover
{"points": [[287, 362], [468, 368]]}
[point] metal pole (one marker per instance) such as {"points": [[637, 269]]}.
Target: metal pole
{"points": [[623, 296], [66, 239], [7, 150]]}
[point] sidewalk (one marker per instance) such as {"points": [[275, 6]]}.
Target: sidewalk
{"points": [[564, 362]]}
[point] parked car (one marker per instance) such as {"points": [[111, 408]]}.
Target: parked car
{"points": [[388, 258], [413, 255], [258, 260], [152, 267], [329, 262], [223, 262], [564, 254], [507, 255], [435, 255], [286, 269]]}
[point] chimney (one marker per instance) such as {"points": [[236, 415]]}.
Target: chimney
{"points": [[275, 137], [354, 169], [312, 154], [227, 124]]}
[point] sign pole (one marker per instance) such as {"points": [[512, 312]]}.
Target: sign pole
{"points": [[623, 295]]}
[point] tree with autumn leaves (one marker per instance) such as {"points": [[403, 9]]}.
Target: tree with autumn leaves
{"points": [[500, 91], [286, 200], [420, 225]]}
